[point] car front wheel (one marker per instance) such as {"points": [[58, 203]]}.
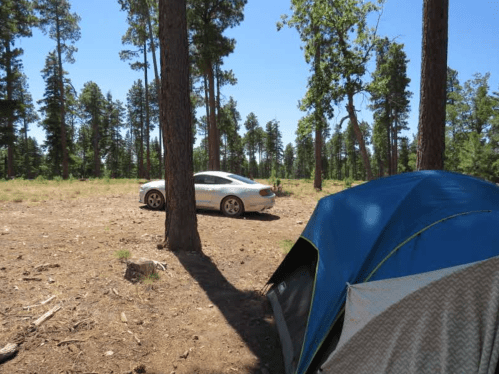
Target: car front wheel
{"points": [[155, 200], [232, 206]]}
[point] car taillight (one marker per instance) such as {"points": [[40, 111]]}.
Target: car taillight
{"points": [[266, 192]]}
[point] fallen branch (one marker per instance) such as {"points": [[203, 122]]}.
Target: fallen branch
{"points": [[161, 265], [45, 267], [137, 339], [11, 348], [42, 303], [76, 359], [46, 316], [32, 279], [70, 341], [79, 323]]}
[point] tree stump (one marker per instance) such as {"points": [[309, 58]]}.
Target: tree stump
{"points": [[139, 269]]}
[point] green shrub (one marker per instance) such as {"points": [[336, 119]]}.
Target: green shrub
{"points": [[348, 182], [41, 179], [123, 254]]}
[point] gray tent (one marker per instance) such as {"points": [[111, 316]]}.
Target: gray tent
{"points": [[444, 321]]}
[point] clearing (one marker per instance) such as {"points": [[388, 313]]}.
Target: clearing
{"points": [[205, 313]]}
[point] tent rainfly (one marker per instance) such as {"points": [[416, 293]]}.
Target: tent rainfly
{"points": [[398, 275]]}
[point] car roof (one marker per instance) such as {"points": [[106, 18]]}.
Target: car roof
{"points": [[215, 173]]}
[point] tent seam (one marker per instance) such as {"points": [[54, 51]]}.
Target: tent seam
{"points": [[416, 234]]}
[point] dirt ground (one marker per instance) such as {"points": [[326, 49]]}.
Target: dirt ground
{"points": [[204, 315]]}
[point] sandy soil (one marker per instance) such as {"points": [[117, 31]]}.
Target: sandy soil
{"points": [[204, 315]]}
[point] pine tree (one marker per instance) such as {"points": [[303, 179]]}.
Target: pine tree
{"points": [[61, 25], [305, 160], [251, 125], [16, 20], [114, 113], [142, 18], [51, 112], [289, 158], [431, 130], [390, 98], [137, 35], [181, 222], [455, 110], [27, 115], [136, 122], [92, 113], [208, 19], [229, 127]]}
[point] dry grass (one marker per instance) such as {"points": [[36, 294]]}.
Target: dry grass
{"points": [[36, 191], [304, 188], [33, 192]]}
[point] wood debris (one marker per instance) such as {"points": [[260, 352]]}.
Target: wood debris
{"points": [[42, 303]]}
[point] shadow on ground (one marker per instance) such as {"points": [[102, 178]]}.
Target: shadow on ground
{"points": [[247, 312], [252, 216]]}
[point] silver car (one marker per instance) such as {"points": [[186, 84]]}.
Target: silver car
{"points": [[230, 193]]}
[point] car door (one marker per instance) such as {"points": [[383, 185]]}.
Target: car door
{"points": [[210, 191], [200, 190]]}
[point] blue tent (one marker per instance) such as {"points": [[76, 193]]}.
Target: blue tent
{"points": [[388, 228]]}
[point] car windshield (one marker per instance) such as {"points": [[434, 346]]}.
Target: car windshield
{"points": [[242, 179]]}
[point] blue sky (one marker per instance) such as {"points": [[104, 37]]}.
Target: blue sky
{"points": [[269, 65]]}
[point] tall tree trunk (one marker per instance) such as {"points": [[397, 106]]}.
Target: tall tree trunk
{"points": [[27, 168], [207, 130], [388, 141], [395, 144], [213, 139], [65, 156], [318, 121], [148, 155], [217, 70], [141, 145], [95, 141], [318, 155], [181, 221], [358, 134], [10, 112], [157, 83], [431, 134]]}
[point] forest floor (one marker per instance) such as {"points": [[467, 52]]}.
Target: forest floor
{"points": [[205, 313]]}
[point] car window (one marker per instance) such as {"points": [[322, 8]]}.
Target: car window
{"points": [[199, 179], [210, 179], [242, 179], [220, 180]]}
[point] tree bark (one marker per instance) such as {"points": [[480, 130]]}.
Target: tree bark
{"points": [[388, 140], [207, 129], [213, 139], [148, 152], [95, 140], [141, 145], [358, 134], [65, 156], [181, 221], [10, 112], [431, 134], [157, 82], [395, 149], [217, 69], [318, 124]]}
